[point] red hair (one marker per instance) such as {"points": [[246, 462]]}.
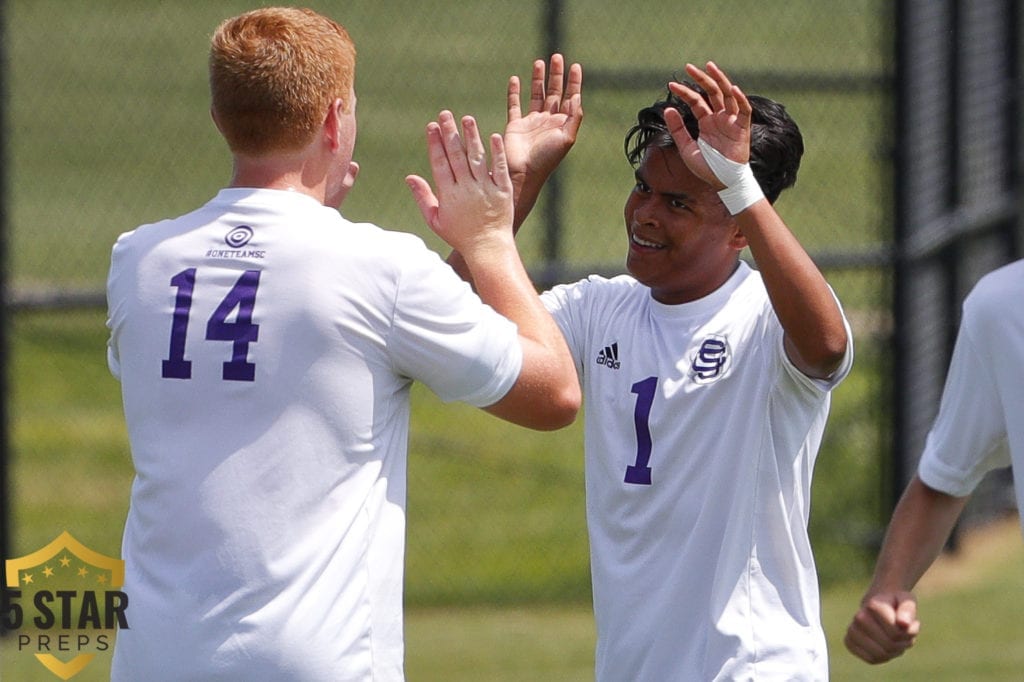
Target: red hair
{"points": [[273, 74]]}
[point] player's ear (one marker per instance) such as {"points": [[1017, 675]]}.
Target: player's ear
{"points": [[736, 240], [334, 124]]}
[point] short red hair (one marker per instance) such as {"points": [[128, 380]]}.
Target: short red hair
{"points": [[273, 74]]}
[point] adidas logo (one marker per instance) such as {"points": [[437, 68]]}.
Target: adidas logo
{"points": [[609, 357]]}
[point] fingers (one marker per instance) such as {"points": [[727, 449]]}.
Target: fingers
{"points": [[456, 158], [708, 80], [476, 157], [906, 616], [872, 647], [574, 84], [572, 103], [556, 74], [735, 102], [723, 96], [499, 163], [515, 112], [537, 86], [437, 153], [884, 628], [692, 98], [550, 91], [677, 128], [424, 197]]}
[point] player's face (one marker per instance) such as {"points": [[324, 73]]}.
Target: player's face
{"points": [[682, 242]]}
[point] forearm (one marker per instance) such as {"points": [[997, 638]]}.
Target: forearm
{"points": [[815, 331], [458, 264], [527, 187], [501, 281], [920, 528], [546, 395]]}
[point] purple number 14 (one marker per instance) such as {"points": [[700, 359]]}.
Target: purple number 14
{"points": [[241, 332]]}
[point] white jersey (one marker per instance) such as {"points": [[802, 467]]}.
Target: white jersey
{"points": [[700, 441], [265, 346], [982, 408]]}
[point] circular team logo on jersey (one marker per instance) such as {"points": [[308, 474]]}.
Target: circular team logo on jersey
{"points": [[711, 360], [238, 237]]}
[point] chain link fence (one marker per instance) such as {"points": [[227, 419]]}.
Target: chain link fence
{"points": [[108, 127]]}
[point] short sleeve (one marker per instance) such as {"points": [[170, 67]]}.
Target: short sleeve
{"points": [[820, 385], [115, 297], [445, 337], [562, 303], [964, 442]]}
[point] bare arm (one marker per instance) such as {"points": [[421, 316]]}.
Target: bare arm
{"points": [[536, 143], [472, 212], [815, 333], [886, 624]]}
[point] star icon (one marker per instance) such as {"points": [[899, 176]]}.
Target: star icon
{"points": [[48, 572], [83, 571]]}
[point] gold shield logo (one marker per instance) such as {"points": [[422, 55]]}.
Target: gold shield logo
{"points": [[65, 603]]}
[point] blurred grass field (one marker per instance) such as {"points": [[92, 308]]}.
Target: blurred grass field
{"points": [[487, 599], [107, 115]]}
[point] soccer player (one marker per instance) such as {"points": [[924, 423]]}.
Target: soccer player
{"points": [[265, 347], [706, 384], [979, 428]]}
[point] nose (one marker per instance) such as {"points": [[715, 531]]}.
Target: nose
{"points": [[644, 210]]}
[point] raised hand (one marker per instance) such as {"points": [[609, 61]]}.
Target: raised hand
{"points": [[473, 203], [724, 121], [535, 143]]}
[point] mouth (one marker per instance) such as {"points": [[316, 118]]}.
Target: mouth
{"points": [[637, 240]]}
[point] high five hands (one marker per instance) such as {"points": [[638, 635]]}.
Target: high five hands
{"points": [[473, 202]]}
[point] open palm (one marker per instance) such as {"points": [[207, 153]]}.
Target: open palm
{"points": [[535, 143]]}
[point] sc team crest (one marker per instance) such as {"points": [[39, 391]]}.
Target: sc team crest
{"points": [[64, 604], [712, 359]]}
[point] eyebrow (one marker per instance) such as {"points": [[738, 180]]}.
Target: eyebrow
{"points": [[681, 196]]}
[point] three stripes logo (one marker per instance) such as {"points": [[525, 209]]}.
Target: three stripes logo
{"points": [[609, 357]]}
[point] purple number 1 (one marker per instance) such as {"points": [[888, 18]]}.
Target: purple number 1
{"points": [[176, 366], [639, 473], [242, 331]]}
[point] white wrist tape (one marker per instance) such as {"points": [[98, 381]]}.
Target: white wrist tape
{"points": [[741, 188]]}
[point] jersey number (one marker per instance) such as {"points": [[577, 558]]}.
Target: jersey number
{"points": [[639, 472], [241, 332]]}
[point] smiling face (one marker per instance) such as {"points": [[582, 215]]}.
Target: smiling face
{"points": [[683, 244]]}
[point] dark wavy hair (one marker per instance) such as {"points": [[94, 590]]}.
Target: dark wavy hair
{"points": [[776, 144]]}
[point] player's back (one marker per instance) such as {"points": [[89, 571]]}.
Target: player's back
{"points": [[268, 427]]}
